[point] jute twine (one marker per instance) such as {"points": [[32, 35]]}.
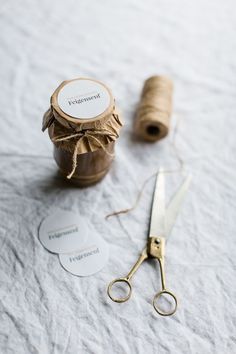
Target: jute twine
{"points": [[153, 115], [81, 136]]}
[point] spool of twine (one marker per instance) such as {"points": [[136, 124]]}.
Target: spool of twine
{"points": [[83, 146], [153, 115]]}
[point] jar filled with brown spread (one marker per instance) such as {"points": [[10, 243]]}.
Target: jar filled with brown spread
{"points": [[83, 125]]}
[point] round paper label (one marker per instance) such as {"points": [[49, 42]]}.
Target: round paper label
{"points": [[90, 259], [83, 99], [63, 232]]}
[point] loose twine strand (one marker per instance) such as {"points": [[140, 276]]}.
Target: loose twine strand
{"points": [[152, 123], [140, 193]]}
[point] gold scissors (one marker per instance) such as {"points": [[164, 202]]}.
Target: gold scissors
{"points": [[161, 223]]}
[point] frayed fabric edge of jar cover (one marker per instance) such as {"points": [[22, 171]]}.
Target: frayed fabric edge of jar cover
{"points": [[83, 148]]}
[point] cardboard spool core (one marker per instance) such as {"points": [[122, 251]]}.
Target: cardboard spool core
{"points": [[153, 130]]}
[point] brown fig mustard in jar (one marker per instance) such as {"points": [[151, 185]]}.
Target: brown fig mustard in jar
{"points": [[83, 125]]}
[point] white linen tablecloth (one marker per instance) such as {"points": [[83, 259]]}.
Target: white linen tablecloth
{"points": [[43, 308]]}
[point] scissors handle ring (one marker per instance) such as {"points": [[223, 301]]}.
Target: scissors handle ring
{"points": [[119, 299], [155, 303]]}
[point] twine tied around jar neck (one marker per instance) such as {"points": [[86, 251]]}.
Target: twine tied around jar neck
{"points": [[73, 136], [88, 134]]}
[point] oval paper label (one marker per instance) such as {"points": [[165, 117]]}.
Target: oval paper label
{"points": [[83, 99], [63, 232]]}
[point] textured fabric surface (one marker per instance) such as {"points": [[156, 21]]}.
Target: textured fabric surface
{"points": [[44, 309]]}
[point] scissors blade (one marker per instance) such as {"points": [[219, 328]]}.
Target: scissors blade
{"points": [[175, 204], [157, 221]]}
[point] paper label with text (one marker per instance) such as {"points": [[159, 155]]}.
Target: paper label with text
{"points": [[90, 259], [63, 232], [83, 99]]}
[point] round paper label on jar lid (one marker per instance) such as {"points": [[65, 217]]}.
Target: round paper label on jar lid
{"points": [[63, 232], [84, 99], [90, 259]]}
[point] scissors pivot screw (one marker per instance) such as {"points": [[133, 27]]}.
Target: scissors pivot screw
{"points": [[157, 241]]}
